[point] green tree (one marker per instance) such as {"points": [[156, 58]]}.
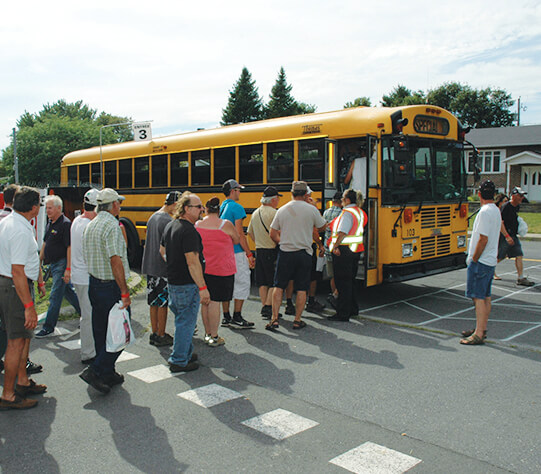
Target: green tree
{"points": [[401, 95], [44, 138], [358, 102], [244, 104], [478, 108], [303, 108], [281, 103]]}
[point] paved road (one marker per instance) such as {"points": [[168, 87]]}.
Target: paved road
{"points": [[334, 396]]}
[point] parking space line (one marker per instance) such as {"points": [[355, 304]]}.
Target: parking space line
{"points": [[421, 309], [494, 320], [411, 299], [472, 308], [535, 307], [521, 333]]}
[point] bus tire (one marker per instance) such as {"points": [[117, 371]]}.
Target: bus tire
{"points": [[135, 253]]}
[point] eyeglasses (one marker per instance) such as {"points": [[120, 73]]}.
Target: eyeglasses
{"points": [[199, 206]]}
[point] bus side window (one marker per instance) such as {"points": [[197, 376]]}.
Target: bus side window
{"points": [[84, 174], [124, 173], [311, 155], [141, 172], [72, 174], [280, 162], [95, 170], [110, 174], [250, 164], [201, 167], [224, 164], [159, 171], [179, 169]]}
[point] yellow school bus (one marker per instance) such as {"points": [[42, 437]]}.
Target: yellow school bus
{"points": [[411, 158]]}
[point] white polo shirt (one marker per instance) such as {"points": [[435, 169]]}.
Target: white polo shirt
{"points": [[79, 270], [18, 246]]}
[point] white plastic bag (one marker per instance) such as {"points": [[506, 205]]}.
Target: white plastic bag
{"points": [[119, 331], [522, 227]]}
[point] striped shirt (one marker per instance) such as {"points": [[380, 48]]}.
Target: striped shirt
{"points": [[103, 239]]}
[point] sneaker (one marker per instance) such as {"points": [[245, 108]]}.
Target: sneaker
{"points": [[195, 331], [266, 312], [216, 341], [160, 341], [19, 403], [32, 368], [207, 338], [92, 379], [186, 368], [152, 338], [44, 333], [226, 322], [240, 323], [525, 282], [169, 337], [290, 309], [113, 379], [315, 307]]}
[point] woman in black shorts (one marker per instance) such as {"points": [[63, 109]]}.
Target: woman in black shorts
{"points": [[219, 236]]}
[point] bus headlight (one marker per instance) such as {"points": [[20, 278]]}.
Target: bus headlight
{"points": [[461, 241], [407, 250]]}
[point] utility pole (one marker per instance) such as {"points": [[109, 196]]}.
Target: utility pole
{"points": [[519, 108], [15, 159]]}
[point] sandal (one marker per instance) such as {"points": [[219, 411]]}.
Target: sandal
{"points": [[496, 277], [299, 324], [272, 326], [473, 340], [469, 332]]}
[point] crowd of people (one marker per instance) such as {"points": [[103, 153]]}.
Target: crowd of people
{"points": [[197, 258]]}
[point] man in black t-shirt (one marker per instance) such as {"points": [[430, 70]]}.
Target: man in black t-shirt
{"points": [[182, 249], [509, 244], [56, 252]]}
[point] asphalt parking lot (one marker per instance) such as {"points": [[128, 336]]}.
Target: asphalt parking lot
{"points": [[438, 302]]}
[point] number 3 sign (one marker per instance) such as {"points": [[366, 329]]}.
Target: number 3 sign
{"points": [[142, 131]]}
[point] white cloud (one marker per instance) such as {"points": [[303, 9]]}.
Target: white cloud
{"points": [[175, 62]]}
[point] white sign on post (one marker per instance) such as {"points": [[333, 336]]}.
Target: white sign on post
{"points": [[142, 131]]}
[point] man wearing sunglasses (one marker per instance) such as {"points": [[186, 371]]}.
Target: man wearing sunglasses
{"points": [[182, 248]]}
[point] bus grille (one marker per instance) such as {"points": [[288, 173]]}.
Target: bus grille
{"points": [[432, 217], [435, 246]]}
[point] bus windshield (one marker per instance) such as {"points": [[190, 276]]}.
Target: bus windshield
{"points": [[422, 170]]}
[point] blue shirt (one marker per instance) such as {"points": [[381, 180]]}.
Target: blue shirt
{"points": [[232, 211]]}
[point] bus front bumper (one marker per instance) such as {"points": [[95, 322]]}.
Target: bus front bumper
{"points": [[409, 271]]}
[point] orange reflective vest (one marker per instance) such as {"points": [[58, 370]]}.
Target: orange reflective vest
{"points": [[354, 238]]}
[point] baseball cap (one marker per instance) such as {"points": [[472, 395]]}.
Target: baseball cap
{"points": [[517, 190], [337, 196], [172, 197], [229, 185], [91, 197], [271, 191], [487, 185], [300, 186], [108, 195]]}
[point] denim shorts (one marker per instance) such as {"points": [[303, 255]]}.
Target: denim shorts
{"points": [[479, 281]]}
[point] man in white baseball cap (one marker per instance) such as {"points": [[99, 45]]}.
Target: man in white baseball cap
{"points": [[79, 273]]}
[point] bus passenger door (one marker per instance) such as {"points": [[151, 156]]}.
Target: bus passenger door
{"points": [[371, 276]]}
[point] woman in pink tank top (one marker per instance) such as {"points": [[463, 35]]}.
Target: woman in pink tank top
{"points": [[219, 236]]}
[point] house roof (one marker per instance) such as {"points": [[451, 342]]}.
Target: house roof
{"points": [[505, 136]]}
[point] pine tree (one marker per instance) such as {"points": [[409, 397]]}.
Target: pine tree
{"points": [[282, 103], [244, 104]]}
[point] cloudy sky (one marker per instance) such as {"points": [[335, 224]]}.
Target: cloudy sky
{"points": [[174, 62]]}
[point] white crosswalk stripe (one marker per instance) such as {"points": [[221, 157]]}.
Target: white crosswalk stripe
{"points": [[210, 395], [371, 458], [280, 424], [153, 374]]}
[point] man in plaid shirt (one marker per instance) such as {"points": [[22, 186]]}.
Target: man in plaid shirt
{"points": [[329, 215], [104, 250]]}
